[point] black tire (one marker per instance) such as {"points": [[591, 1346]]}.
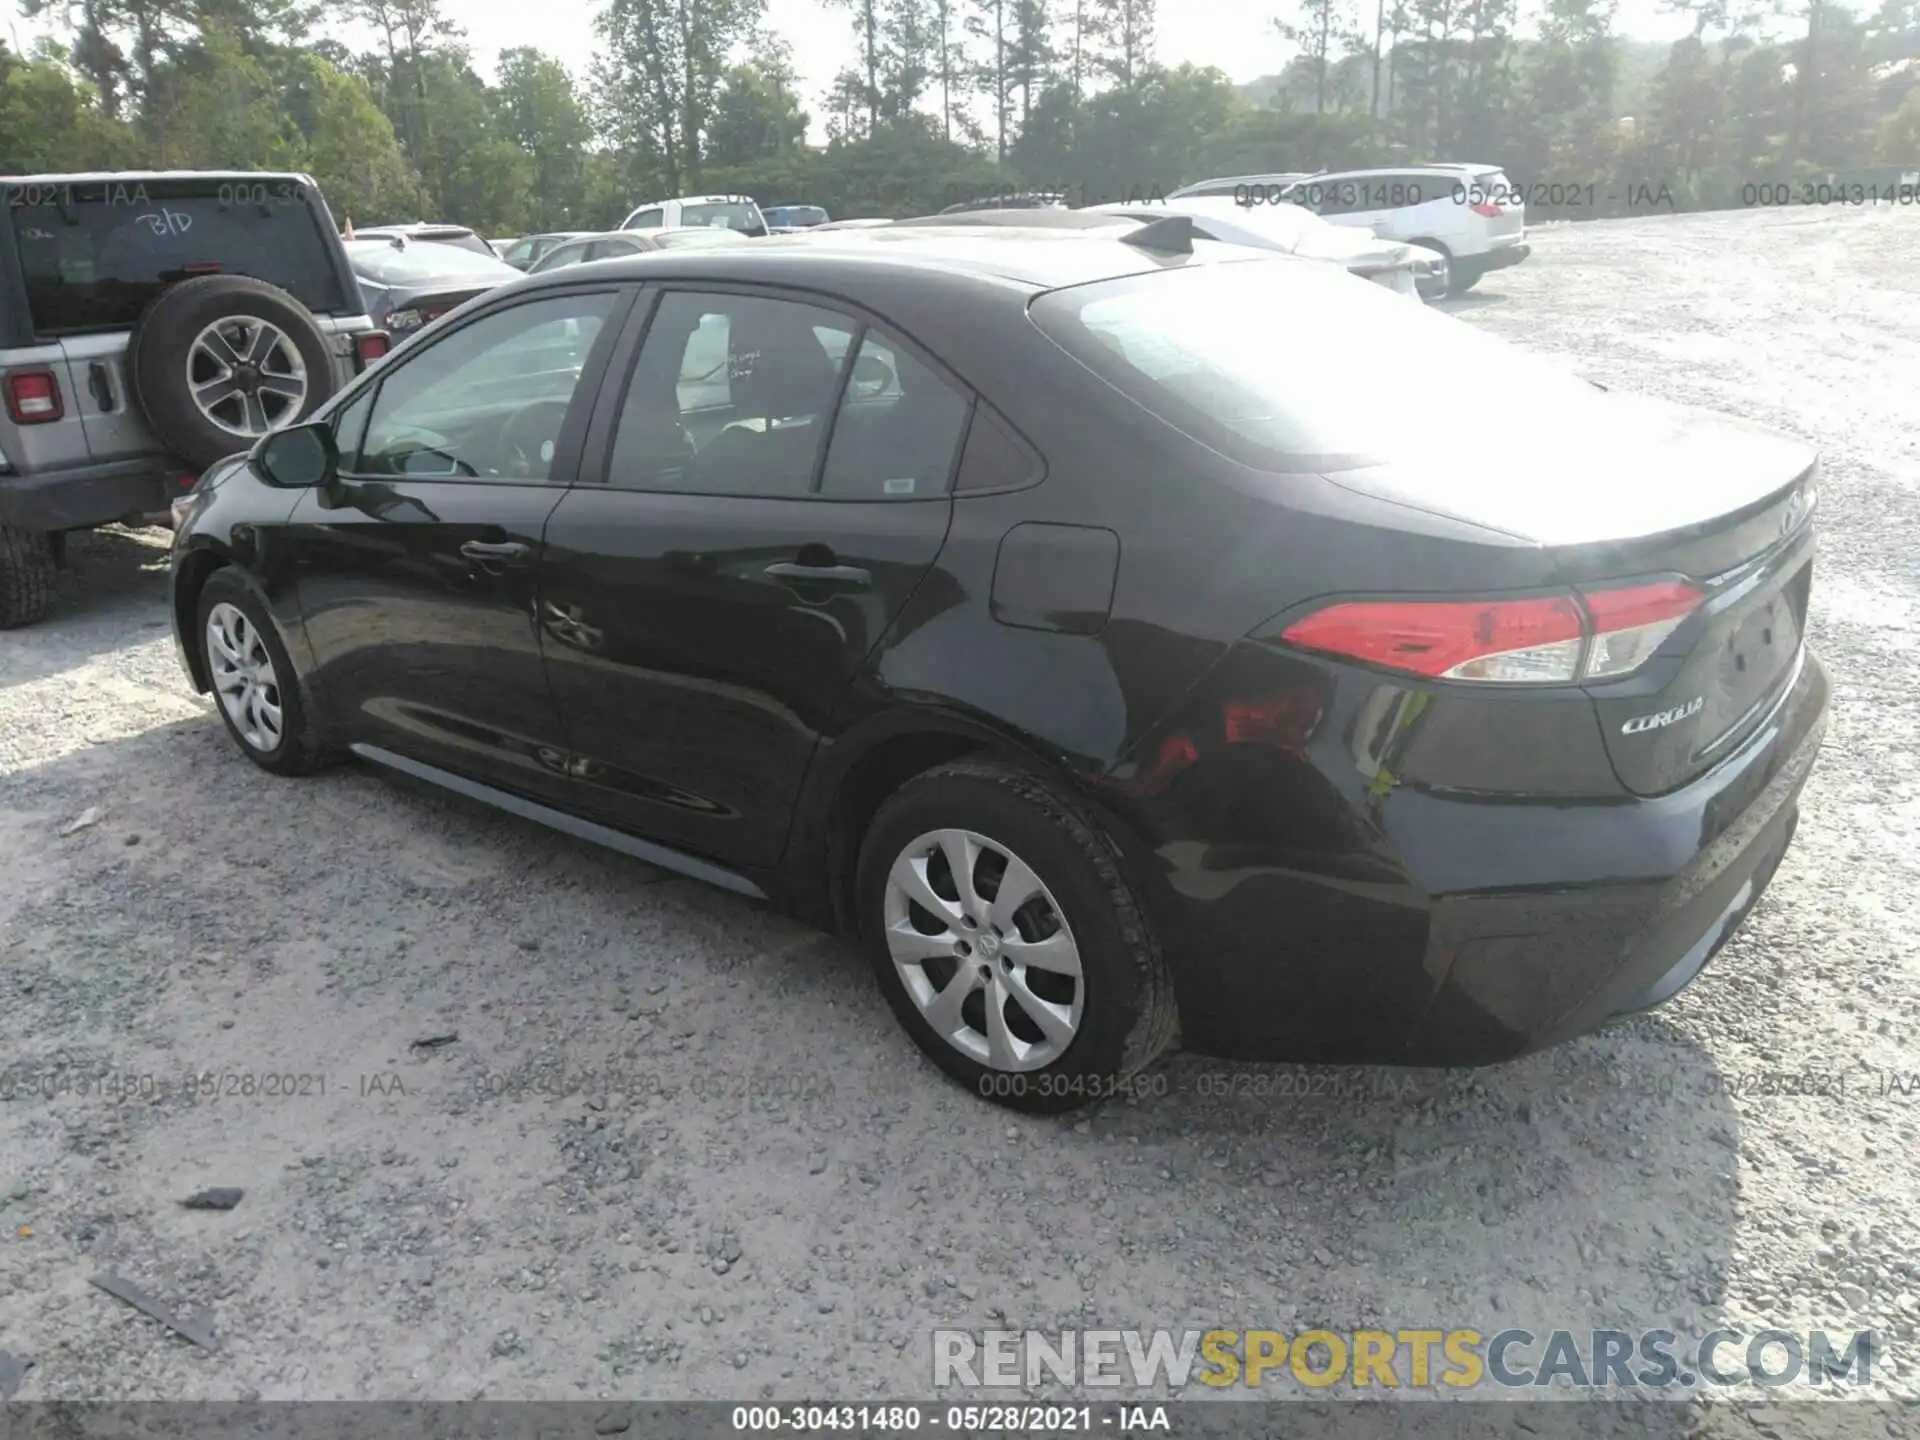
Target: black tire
{"points": [[26, 576], [300, 750], [1128, 1015], [159, 356]]}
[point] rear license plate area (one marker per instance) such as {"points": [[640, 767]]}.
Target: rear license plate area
{"points": [[1753, 659]]}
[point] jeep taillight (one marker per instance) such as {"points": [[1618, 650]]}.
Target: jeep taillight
{"points": [[371, 345], [33, 397]]}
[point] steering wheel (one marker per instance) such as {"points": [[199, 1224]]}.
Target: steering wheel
{"points": [[528, 437]]}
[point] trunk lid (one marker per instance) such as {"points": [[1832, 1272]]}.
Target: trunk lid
{"points": [[432, 300], [1643, 490]]}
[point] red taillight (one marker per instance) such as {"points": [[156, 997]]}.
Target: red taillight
{"points": [[1488, 212], [371, 345], [33, 397], [204, 267], [1501, 640], [1630, 623], [1547, 639]]}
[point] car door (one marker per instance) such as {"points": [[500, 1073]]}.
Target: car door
{"points": [[416, 563], [775, 484]]}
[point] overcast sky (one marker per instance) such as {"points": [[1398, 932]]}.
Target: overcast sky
{"points": [[1235, 35]]}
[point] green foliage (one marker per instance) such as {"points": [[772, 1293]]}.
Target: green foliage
{"points": [[944, 99], [49, 122], [351, 148]]}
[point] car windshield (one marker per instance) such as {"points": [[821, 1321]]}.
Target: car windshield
{"points": [[94, 256], [741, 215], [386, 264], [1281, 365]]}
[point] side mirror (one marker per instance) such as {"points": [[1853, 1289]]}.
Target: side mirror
{"points": [[298, 458]]}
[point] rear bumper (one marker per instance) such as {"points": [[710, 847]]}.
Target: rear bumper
{"points": [[1463, 930], [78, 496], [1525, 971], [1499, 259]]}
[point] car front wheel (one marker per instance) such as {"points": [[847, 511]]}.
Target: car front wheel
{"points": [[1009, 941], [254, 683]]}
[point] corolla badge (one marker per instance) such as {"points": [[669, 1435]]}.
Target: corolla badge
{"points": [[1664, 718]]}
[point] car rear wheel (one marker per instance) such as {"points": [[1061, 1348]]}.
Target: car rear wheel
{"points": [[1459, 276], [26, 576], [254, 684], [1008, 940]]}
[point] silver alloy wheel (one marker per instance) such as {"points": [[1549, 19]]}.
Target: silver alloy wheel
{"points": [[246, 375], [243, 677], [984, 950]]}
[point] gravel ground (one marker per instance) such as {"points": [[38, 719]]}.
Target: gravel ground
{"points": [[679, 1147]]}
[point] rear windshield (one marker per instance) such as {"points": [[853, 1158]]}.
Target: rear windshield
{"points": [[741, 215], [93, 256], [384, 264], [1289, 365]]}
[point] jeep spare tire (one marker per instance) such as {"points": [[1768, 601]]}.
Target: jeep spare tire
{"points": [[220, 360]]}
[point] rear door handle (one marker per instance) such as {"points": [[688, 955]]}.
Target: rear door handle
{"points": [[845, 577], [497, 556]]}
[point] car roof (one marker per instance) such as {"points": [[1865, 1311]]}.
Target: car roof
{"points": [[1014, 219], [1241, 179], [1425, 169], [129, 177], [1034, 258], [697, 200]]}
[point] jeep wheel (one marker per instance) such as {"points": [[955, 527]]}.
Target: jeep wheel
{"points": [[219, 361], [26, 576]]}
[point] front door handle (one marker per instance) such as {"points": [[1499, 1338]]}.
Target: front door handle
{"points": [[497, 557], [844, 577]]}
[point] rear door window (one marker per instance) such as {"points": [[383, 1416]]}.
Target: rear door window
{"points": [[94, 255], [898, 427], [731, 395]]}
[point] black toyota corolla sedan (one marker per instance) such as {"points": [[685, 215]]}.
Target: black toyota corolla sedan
{"points": [[1078, 620]]}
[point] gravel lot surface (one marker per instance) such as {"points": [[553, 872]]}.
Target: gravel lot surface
{"points": [[679, 1147]]}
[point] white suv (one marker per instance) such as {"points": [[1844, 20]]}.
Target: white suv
{"points": [[1472, 214], [723, 212]]}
